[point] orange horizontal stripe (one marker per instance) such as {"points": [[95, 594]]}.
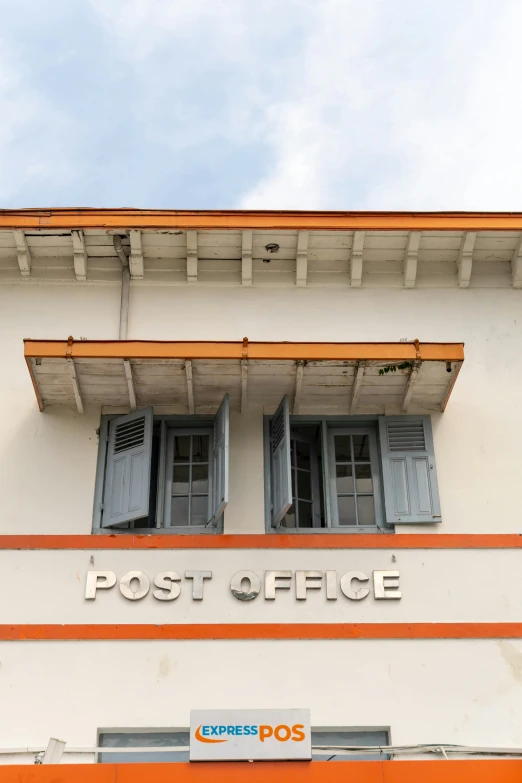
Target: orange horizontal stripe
{"points": [[239, 631], [257, 220], [156, 349], [427, 771], [269, 541]]}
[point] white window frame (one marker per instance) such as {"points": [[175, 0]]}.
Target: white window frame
{"points": [[184, 424], [327, 425], [171, 434]]}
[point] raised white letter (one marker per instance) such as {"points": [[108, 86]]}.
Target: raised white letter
{"points": [[166, 580], [98, 580], [386, 584]]}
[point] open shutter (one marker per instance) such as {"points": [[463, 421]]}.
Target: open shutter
{"points": [[281, 472], [411, 493], [220, 460], [127, 471]]}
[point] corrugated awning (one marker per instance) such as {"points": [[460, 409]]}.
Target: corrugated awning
{"points": [[192, 377]]}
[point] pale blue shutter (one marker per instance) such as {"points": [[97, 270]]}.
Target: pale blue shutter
{"points": [[127, 472], [220, 460], [411, 493], [281, 472]]}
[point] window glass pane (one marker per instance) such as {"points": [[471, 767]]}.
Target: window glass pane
{"points": [[344, 478], [361, 448], [182, 448], [179, 511], [343, 448], [305, 514], [303, 454], [363, 478], [199, 512], [304, 485], [289, 519], [144, 739], [199, 479], [200, 448], [366, 510], [180, 479], [346, 506]]}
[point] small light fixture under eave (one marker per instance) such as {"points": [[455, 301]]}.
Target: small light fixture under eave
{"points": [[272, 247]]}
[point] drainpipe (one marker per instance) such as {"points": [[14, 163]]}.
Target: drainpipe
{"points": [[125, 285]]}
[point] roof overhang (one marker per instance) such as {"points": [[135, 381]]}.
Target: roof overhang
{"points": [[192, 377]]}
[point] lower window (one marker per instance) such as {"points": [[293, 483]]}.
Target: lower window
{"points": [[326, 744]]}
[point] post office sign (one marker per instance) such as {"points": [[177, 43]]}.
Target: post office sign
{"points": [[257, 735]]}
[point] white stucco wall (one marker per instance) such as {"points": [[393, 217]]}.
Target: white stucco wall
{"points": [[466, 692], [47, 461]]}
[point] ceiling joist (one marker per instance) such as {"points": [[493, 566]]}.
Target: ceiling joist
{"points": [[356, 388], [244, 384], [130, 384], [75, 385], [516, 265], [301, 267], [190, 387], [136, 256], [24, 254], [246, 258], [410, 259], [412, 379], [192, 256], [80, 254], [356, 259], [299, 372], [465, 259]]}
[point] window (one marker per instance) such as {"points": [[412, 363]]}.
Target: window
{"points": [[167, 473], [331, 739], [143, 738], [346, 738], [357, 474]]}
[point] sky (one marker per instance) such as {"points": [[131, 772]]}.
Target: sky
{"points": [[261, 104]]}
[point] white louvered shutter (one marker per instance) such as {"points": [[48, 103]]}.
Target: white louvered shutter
{"points": [[127, 472], [411, 493], [281, 472], [220, 460]]}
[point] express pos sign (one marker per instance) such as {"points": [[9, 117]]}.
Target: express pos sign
{"points": [[259, 735]]}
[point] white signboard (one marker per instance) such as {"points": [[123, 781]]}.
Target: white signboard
{"points": [[258, 735]]}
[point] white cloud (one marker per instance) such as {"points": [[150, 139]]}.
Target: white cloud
{"points": [[33, 134], [444, 135]]}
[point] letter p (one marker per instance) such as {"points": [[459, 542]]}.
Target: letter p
{"points": [[98, 580], [265, 732]]}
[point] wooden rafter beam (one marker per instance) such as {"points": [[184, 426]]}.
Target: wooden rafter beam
{"points": [[75, 384], [356, 388], [412, 380], [80, 254], [136, 256], [356, 258], [192, 256], [516, 265], [299, 373], [24, 254], [244, 384], [190, 387], [246, 258], [410, 259], [301, 267], [465, 259], [130, 384]]}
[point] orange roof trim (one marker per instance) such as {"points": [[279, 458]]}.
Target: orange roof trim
{"points": [[82, 217]]}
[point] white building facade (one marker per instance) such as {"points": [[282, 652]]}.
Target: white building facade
{"points": [[261, 461]]}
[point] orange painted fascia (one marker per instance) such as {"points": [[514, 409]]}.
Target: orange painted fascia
{"points": [[244, 631], [266, 541], [68, 218], [427, 771], [156, 349]]}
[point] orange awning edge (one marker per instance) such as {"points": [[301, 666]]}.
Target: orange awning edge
{"points": [[262, 351]]}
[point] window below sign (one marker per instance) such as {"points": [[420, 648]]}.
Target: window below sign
{"points": [[143, 745]]}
